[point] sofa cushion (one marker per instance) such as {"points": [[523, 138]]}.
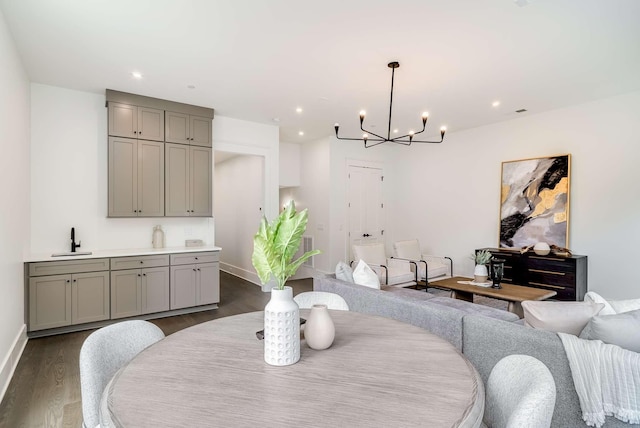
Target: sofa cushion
{"points": [[344, 272], [617, 329], [559, 317], [475, 309], [612, 306], [408, 293], [364, 275]]}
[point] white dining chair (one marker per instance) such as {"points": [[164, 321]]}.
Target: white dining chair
{"points": [[520, 393], [103, 353], [309, 298]]}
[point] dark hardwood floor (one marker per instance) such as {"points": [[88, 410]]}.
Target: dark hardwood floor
{"points": [[45, 389]]}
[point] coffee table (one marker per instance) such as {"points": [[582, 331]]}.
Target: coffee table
{"points": [[514, 294]]}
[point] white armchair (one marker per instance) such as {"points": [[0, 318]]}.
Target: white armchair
{"points": [[428, 267], [391, 272]]}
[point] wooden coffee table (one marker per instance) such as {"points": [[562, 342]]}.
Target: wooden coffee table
{"points": [[514, 294]]}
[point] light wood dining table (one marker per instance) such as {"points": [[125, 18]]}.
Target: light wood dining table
{"points": [[379, 372]]}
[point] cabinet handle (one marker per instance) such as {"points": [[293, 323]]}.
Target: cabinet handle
{"points": [[141, 262], [135, 211], [194, 270], [198, 269], [68, 281], [196, 258], [144, 274], [547, 271], [138, 274], [74, 280]]}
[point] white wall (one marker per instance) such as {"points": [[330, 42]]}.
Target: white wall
{"points": [[238, 189], [458, 187], [69, 160], [14, 194], [289, 164]]}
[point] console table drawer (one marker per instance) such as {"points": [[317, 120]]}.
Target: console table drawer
{"points": [[551, 264]]}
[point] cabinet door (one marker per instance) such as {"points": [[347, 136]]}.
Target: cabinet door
{"points": [[150, 179], [49, 302], [208, 283], [123, 177], [201, 182], [155, 290], [177, 180], [176, 128], [150, 124], [126, 295], [200, 128], [89, 297], [123, 120], [183, 286]]}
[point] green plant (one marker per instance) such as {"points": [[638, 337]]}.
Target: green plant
{"points": [[275, 244], [482, 257]]}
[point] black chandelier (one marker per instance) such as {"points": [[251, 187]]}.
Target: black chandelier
{"points": [[405, 140]]}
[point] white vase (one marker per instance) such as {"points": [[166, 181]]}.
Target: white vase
{"points": [[480, 274], [281, 329], [319, 330]]}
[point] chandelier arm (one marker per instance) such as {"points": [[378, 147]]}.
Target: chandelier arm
{"points": [[372, 145], [371, 133], [417, 141], [358, 139], [424, 126]]}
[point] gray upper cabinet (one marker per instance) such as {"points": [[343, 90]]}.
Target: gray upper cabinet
{"points": [[136, 178], [183, 128], [131, 121], [188, 181]]}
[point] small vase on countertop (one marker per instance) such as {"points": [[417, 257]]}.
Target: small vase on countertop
{"points": [[319, 331], [158, 237], [281, 328]]}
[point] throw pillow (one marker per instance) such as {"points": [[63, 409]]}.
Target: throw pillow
{"points": [[612, 306], [559, 317], [364, 275], [618, 329], [344, 272]]}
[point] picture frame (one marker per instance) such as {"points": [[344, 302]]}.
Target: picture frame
{"points": [[534, 201]]}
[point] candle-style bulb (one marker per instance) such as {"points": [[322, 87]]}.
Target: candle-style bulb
{"points": [[365, 137], [442, 132]]}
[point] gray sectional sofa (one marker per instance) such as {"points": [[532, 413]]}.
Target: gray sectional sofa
{"points": [[484, 335]]}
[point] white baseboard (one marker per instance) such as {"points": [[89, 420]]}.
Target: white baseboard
{"points": [[10, 361], [240, 273]]}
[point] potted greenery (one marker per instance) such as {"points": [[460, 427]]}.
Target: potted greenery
{"points": [[480, 273], [274, 247]]}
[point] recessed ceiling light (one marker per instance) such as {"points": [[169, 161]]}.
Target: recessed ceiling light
{"points": [[136, 75], [276, 119], [495, 103], [301, 133], [299, 110]]}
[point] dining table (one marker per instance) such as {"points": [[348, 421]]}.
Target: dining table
{"points": [[378, 372]]}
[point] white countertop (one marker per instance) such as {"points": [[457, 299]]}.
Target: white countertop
{"points": [[121, 253]]}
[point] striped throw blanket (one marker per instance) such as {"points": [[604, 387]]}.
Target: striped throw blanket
{"points": [[607, 379]]}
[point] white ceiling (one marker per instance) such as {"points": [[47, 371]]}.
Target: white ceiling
{"points": [[260, 59]]}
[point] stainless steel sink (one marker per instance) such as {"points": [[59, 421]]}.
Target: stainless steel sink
{"points": [[77, 253]]}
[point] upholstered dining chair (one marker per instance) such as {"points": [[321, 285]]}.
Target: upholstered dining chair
{"points": [[429, 267], [103, 353], [309, 298], [391, 272], [520, 393]]}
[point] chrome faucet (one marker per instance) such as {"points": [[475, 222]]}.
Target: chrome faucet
{"points": [[73, 240]]}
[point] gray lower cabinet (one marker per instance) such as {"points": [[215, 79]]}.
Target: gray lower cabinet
{"points": [[195, 279], [63, 300], [136, 178], [188, 185], [139, 291]]}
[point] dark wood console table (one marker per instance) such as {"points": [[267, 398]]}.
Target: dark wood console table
{"points": [[567, 276]]}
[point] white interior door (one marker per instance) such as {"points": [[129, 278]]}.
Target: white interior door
{"points": [[364, 206]]}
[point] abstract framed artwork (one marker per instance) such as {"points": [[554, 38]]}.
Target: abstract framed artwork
{"points": [[534, 202]]}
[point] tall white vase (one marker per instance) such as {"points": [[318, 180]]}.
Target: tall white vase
{"points": [[319, 331], [281, 329]]}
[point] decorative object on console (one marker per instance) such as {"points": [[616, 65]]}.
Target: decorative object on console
{"points": [[541, 249], [534, 202], [274, 246], [480, 273], [497, 272], [404, 140], [319, 331], [193, 242], [158, 237]]}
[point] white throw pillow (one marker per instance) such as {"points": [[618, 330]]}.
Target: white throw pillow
{"points": [[559, 317], [612, 306], [618, 329], [364, 275], [344, 272]]}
